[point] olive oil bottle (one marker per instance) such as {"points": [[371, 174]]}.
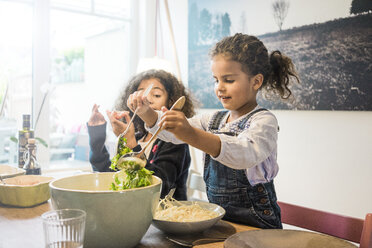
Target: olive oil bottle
{"points": [[31, 166], [23, 136]]}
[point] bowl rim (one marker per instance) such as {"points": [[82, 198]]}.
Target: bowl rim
{"points": [[16, 171], [48, 179], [219, 216], [51, 186]]}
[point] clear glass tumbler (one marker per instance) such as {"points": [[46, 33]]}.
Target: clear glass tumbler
{"points": [[64, 228]]}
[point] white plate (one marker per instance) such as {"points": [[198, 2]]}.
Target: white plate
{"points": [[278, 238], [10, 171]]}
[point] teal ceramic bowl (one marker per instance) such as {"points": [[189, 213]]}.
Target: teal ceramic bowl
{"points": [[114, 218]]}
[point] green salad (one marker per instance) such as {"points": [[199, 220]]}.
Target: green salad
{"points": [[122, 149], [131, 173]]}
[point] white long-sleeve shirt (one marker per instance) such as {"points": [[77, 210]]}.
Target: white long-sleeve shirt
{"points": [[254, 149]]}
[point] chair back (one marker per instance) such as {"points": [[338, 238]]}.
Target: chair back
{"points": [[344, 227], [195, 184]]}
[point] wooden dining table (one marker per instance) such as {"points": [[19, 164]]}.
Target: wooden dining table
{"points": [[22, 227]]}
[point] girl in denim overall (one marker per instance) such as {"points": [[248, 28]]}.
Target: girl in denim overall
{"points": [[240, 142]]}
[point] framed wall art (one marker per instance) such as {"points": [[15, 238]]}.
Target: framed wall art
{"points": [[330, 43]]}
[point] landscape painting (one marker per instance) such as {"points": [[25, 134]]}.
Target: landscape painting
{"points": [[330, 43]]}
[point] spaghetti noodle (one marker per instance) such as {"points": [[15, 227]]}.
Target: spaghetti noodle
{"points": [[174, 210]]}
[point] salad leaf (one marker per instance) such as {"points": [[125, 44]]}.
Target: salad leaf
{"points": [[131, 178], [131, 174], [122, 149]]}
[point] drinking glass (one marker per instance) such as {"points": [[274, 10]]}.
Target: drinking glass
{"points": [[64, 228]]}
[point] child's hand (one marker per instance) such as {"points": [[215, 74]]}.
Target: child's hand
{"points": [[117, 126], [137, 101], [175, 122], [96, 118]]}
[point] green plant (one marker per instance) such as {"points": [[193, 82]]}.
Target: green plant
{"points": [[70, 55], [40, 140]]}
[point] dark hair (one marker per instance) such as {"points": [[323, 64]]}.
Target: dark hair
{"points": [[174, 88], [277, 69]]}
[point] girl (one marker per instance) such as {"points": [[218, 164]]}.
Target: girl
{"points": [[168, 161], [240, 142]]}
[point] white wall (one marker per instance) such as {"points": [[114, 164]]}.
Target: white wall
{"points": [[325, 157], [178, 15], [325, 160]]}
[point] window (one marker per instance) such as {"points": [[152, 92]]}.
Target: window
{"points": [[76, 55], [15, 73]]}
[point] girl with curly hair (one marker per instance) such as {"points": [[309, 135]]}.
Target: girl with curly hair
{"points": [[169, 162]]}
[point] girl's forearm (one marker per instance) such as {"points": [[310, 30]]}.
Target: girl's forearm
{"points": [[149, 117], [132, 142], [202, 140]]}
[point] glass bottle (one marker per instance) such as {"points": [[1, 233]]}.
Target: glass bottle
{"points": [[32, 167], [23, 136]]}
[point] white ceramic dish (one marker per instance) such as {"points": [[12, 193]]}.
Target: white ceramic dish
{"points": [[174, 227], [114, 218], [7, 171]]}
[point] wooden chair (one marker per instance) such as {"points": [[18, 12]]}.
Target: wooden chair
{"points": [[344, 227]]}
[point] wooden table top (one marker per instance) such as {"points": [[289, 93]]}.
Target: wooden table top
{"points": [[22, 227]]}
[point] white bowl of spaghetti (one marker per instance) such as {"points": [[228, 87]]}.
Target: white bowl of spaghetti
{"points": [[184, 217]]}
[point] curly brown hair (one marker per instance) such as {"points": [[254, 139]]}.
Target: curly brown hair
{"points": [[276, 68], [174, 88]]}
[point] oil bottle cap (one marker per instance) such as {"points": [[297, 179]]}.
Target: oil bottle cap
{"points": [[26, 121]]}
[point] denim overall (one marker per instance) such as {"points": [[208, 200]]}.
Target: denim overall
{"points": [[251, 205]]}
